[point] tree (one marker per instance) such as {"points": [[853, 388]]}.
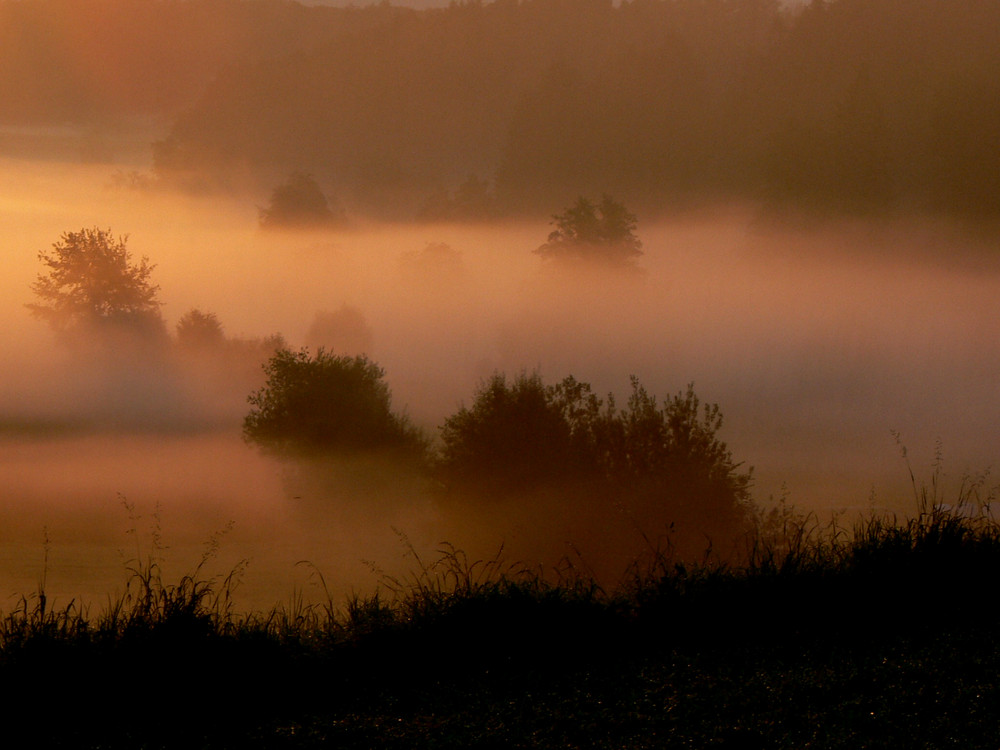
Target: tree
{"points": [[197, 330], [93, 282], [299, 202], [521, 435], [602, 231], [325, 403]]}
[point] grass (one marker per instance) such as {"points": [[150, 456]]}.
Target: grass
{"points": [[881, 634]]}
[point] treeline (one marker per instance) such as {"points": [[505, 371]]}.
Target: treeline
{"points": [[63, 61], [849, 105]]}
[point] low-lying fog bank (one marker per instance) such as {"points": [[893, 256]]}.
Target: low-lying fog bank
{"points": [[816, 340]]}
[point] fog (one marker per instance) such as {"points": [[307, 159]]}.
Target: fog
{"points": [[817, 339]]}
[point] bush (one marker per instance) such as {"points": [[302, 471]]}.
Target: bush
{"points": [[325, 403], [521, 434], [514, 437]]}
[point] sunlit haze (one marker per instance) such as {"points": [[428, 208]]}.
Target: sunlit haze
{"points": [[827, 305]]}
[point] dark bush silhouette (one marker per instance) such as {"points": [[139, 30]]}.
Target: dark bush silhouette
{"points": [[92, 283], [521, 435], [602, 231], [299, 202], [670, 453], [325, 403], [521, 432], [514, 437]]}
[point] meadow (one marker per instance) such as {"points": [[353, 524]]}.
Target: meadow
{"points": [[817, 339], [545, 541], [266, 604], [877, 634]]}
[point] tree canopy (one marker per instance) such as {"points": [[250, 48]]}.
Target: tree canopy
{"points": [[200, 330], [521, 435], [587, 230], [91, 280], [325, 403], [513, 437], [298, 202]]}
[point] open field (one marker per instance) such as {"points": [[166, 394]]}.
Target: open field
{"points": [[882, 635]]}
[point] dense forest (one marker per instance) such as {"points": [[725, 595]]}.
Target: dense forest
{"points": [[478, 109]]}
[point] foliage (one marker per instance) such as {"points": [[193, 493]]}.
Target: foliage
{"points": [[198, 330], [890, 634], [513, 437], [637, 97], [298, 202], [325, 403], [602, 231], [92, 282], [522, 434]]}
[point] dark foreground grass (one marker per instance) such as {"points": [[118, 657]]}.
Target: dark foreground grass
{"points": [[883, 635]]}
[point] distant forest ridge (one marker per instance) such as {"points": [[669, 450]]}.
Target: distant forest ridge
{"points": [[855, 106]]}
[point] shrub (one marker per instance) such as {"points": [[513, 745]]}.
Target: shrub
{"points": [[325, 403], [514, 437], [522, 434]]}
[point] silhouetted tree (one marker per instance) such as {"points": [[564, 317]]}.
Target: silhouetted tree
{"points": [[200, 330], [299, 202], [602, 231], [325, 403], [93, 283]]}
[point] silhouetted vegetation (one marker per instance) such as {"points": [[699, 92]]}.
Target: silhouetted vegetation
{"points": [[876, 635], [92, 286], [199, 331], [326, 403], [521, 435], [602, 232], [299, 203], [513, 437], [819, 105]]}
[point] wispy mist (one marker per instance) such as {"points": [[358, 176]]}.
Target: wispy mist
{"points": [[816, 341]]}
